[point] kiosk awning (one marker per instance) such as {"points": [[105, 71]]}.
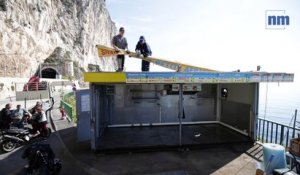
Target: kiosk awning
{"points": [[183, 77]]}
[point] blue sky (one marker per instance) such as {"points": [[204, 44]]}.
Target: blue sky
{"points": [[223, 35]]}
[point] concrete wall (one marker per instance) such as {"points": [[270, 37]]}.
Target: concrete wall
{"points": [[241, 93], [31, 95], [145, 104], [237, 109]]}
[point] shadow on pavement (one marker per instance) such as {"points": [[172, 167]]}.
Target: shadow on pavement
{"points": [[201, 161], [12, 163]]}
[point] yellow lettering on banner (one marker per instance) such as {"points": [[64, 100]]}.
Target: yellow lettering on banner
{"points": [[106, 52]]}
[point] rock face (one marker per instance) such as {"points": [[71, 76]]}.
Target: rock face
{"points": [[30, 30]]}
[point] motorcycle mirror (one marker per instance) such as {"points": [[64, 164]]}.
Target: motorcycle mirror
{"points": [[26, 138]]}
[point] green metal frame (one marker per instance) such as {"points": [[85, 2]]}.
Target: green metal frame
{"points": [[68, 108]]}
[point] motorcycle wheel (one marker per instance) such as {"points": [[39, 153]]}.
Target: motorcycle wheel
{"points": [[8, 145]]}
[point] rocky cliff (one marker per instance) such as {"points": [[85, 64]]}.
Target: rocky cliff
{"points": [[30, 30]]}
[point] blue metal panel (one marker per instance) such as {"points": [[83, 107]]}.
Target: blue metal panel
{"points": [[83, 115]]}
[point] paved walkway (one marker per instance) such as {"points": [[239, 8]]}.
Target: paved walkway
{"points": [[78, 158], [12, 163], [217, 160]]}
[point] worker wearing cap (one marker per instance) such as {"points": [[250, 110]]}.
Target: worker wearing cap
{"points": [[142, 47], [120, 42]]}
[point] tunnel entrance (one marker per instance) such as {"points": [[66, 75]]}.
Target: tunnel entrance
{"points": [[49, 73]]}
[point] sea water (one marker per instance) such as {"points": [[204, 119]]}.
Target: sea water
{"points": [[278, 101]]}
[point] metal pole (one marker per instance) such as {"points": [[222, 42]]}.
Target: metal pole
{"points": [[40, 70], [159, 113], [180, 112], [295, 120], [49, 88]]}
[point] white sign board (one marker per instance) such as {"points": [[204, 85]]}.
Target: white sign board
{"points": [[85, 103]]}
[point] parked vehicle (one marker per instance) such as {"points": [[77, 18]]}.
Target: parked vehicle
{"points": [[41, 160], [12, 138]]}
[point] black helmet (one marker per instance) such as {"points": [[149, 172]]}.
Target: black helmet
{"points": [[142, 38]]}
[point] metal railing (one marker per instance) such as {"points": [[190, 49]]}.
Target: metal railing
{"points": [[31, 86], [273, 132], [35, 86], [67, 107]]}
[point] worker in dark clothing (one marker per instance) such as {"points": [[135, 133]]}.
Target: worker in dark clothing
{"points": [[120, 42], [5, 117], [142, 47]]}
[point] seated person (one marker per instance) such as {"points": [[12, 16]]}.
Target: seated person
{"points": [[18, 117], [5, 117]]}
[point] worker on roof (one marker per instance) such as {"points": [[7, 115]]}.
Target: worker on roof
{"points": [[120, 42], [142, 47]]}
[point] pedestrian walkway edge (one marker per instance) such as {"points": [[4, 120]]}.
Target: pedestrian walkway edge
{"points": [[87, 168]]}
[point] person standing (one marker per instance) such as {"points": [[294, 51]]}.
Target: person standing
{"points": [[74, 89], [120, 42], [39, 122], [62, 112], [142, 47]]}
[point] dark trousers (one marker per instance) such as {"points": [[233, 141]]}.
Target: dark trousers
{"points": [[145, 66], [121, 58], [42, 127]]}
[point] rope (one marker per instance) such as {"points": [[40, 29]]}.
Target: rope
{"points": [[266, 99], [265, 111]]}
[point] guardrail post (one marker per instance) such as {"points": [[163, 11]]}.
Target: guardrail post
{"points": [[276, 133], [295, 120], [287, 137], [263, 131], [267, 136], [281, 134], [259, 125]]}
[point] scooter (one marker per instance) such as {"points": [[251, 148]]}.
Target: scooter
{"points": [[12, 138]]}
